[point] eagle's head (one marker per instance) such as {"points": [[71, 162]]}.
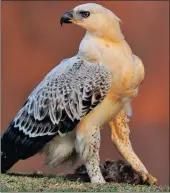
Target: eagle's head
{"points": [[94, 18]]}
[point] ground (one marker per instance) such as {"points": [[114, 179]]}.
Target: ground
{"points": [[52, 183]]}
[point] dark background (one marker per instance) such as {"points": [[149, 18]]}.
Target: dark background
{"points": [[33, 43]]}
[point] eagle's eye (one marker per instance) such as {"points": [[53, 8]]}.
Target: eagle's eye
{"points": [[85, 14]]}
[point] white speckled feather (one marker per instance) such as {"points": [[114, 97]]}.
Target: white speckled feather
{"points": [[68, 87]]}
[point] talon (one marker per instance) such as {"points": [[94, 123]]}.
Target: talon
{"points": [[149, 179]]}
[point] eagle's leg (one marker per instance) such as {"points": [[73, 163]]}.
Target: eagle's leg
{"points": [[120, 137], [87, 145]]}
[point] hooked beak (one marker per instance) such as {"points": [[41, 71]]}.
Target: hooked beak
{"points": [[66, 17]]}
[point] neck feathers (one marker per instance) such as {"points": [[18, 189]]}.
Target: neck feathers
{"points": [[110, 32]]}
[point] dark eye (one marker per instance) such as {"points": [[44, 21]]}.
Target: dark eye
{"points": [[85, 14]]}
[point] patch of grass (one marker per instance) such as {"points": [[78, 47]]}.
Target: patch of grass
{"points": [[20, 182]]}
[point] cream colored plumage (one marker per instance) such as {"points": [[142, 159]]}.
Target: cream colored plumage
{"points": [[82, 94], [105, 44]]}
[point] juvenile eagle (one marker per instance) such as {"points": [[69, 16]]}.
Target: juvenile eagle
{"points": [[65, 112]]}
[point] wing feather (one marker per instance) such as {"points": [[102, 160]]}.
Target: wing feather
{"points": [[56, 106]]}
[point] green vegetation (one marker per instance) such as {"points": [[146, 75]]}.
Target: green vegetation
{"points": [[52, 183]]}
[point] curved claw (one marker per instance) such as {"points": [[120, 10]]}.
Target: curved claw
{"points": [[148, 178]]}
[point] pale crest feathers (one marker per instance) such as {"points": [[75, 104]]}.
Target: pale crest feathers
{"points": [[95, 8]]}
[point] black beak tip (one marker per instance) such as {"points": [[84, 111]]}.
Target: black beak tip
{"points": [[61, 22], [66, 17]]}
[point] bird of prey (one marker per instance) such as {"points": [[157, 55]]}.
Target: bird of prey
{"points": [[63, 115]]}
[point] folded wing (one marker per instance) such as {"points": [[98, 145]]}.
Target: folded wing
{"points": [[68, 93]]}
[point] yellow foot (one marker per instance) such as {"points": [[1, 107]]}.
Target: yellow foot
{"points": [[148, 178]]}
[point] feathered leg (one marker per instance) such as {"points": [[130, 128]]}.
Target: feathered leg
{"points": [[88, 135], [87, 145], [120, 137]]}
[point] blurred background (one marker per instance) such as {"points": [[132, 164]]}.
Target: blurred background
{"points": [[33, 42]]}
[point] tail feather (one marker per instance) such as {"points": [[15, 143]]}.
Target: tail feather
{"points": [[8, 152], [7, 162]]}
